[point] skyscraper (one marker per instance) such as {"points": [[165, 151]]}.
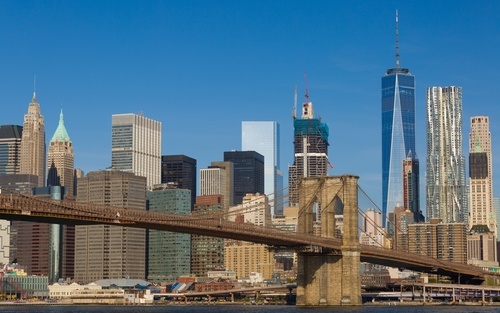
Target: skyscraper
{"points": [[264, 138], [398, 130], [248, 173], [169, 253], [136, 146], [481, 172], [33, 143], [61, 159], [446, 196], [10, 149], [310, 150], [411, 187], [207, 253], [181, 171], [105, 251]]}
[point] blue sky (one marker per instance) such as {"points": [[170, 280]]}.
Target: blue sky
{"points": [[203, 67]]}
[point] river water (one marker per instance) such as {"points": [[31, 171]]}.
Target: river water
{"points": [[243, 309]]}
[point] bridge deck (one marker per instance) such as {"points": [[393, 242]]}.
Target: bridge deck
{"points": [[19, 207]]}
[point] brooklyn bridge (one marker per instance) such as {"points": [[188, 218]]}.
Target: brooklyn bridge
{"points": [[328, 269]]}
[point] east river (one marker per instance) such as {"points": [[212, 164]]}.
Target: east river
{"points": [[243, 309]]}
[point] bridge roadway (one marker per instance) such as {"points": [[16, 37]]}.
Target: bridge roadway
{"points": [[25, 208]]}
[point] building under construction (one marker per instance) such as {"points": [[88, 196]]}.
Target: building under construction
{"points": [[310, 148]]}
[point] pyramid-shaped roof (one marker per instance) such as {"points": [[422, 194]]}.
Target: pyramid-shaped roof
{"points": [[61, 134]]}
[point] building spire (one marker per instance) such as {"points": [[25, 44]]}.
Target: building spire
{"points": [[34, 87], [397, 40]]}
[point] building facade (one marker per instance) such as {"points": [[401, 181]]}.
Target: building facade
{"points": [[61, 160], [446, 196], [411, 187], [169, 253], [310, 146], [481, 208], [248, 173], [180, 170], [104, 251], [10, 149], [207, 253], [445, 241], [33, 158], [255, 209], [136, 146], [213, 181], [264, 138], [17, 183]]}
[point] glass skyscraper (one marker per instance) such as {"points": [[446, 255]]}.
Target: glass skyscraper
{"points": [[263, 137], [10, 149], [398, 131]]}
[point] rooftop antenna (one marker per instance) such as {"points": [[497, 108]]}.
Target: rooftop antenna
{"points": [[34, 85], [294, 111], [397, 40], [307, 89]]}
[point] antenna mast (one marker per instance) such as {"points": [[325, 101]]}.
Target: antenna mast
{"points": [[397, 40], [307, 89], [294, 111]]}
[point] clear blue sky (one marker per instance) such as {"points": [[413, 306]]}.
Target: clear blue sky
{"points": [[203, 67]]}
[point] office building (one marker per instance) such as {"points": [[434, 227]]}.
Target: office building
{"points": [[398, 130], [10, 149], [21, 184], [481, 211], [411, 187], [248, 173], [446, 194], [213, 181], [399, 220], [207, 253], [310, 145], [61, 159], [255, 209], [169, 253], [33, 160], [264, 138], [39, 245], [482, 247], [227, 180], [247, 257], [180, 171], [136, 146], [105, 251], [372, 232]]}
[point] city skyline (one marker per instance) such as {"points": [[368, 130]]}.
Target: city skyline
{"points": [[183, 65]]}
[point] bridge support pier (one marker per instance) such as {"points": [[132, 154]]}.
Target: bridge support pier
{"points": [[326, 278]]}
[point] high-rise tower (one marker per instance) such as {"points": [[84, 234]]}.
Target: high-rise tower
{"points": [[33, 143], [179, 170], [248, 173], [480, 172], [264, 137], [446, 194], [108, 251], [61, 159], [136, 146], [311, 150], [10, 149], [398, 130]]}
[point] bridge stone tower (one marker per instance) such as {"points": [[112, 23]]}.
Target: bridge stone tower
{"points": [[327, 278]]}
